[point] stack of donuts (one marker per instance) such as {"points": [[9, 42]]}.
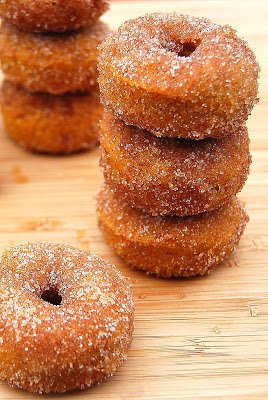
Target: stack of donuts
{"points": [[48, 52], [175, 148]]}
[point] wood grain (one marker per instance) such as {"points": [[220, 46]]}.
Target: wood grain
{"points": [[194, 339]]}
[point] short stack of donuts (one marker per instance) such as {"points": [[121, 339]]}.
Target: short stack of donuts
{"points": [[177, 92], [48, 52]]}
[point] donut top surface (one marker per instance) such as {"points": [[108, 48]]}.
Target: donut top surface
{"points": [[175, 54], [78, 277]]}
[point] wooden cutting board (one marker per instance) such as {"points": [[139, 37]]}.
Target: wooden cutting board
{"points": [[205, 338]]}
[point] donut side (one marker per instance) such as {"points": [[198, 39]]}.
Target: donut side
{"points": [[52, 63], [51, 124], [51, 15], [171, 246], [172, 176], [47, 347]]}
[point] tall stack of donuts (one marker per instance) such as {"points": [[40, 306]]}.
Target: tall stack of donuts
{"points": [[175, 148], [48, 51]]}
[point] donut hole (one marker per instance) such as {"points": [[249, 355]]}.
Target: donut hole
{"points": [[181, 49], [52, 296], [188, 48]]}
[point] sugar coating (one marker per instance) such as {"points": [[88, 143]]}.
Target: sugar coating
{"points": [[51, 63], [170, 246], [51, 124], [172, 176], [52, 15], [178, 76], [54, 348]]}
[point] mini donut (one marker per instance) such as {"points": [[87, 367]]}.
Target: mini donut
{"points": [[178, 76], [52, 15], [172, 176], [66, 318], [170, 246], [51, 124], [51, 63]]}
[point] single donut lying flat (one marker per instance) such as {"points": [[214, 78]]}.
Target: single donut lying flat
{"points": [[66, 318], [172, 176], [170, 246], [51, 124], [51, 63], [52, 15], [178, 76]]}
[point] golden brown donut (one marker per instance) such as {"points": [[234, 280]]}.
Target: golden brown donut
{"points": [[66, 318], [172, 176], [52, 15], [51, 124], [170, 246], [51, 63], [178, 76]]}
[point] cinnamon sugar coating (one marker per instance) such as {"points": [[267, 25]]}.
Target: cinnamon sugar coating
{"points": [[48, 347], [52, 15], [178, 76], [170, 246], [172, 176], [51, 63], [51, 124]]}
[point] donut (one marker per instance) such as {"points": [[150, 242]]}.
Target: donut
{"points": [[178, 76], [66, 318], [170, 246], [51, 63], [51, 124], [172, 176], [51, 15]]}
